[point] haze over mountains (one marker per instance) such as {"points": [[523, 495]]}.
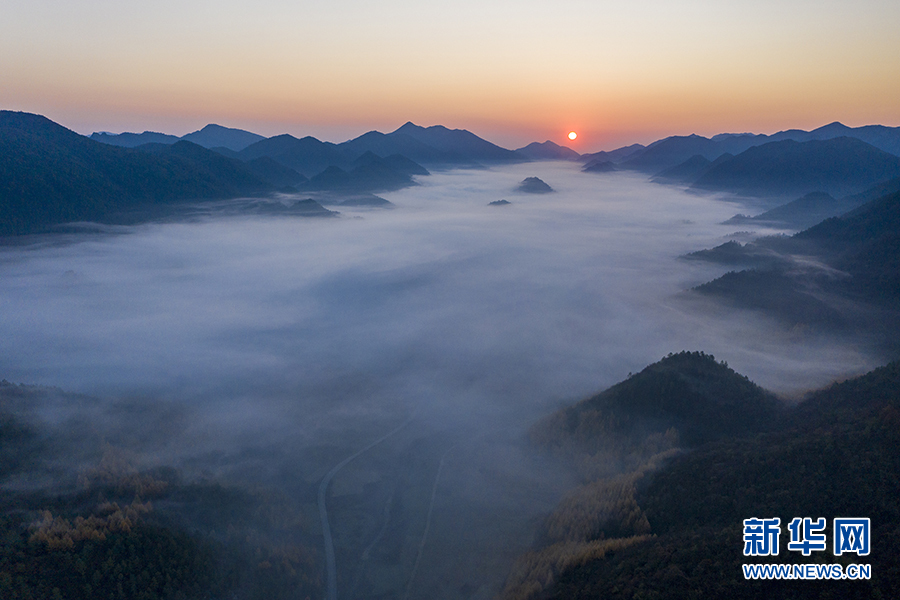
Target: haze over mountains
{"points": [[50, 175], [239, 360], [840, 274], [686, 448], [211, 136], [437, 145]]}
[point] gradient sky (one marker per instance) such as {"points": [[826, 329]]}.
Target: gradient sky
{"points": [[512, 71]]}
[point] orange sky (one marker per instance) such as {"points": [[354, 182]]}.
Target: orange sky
{"points": [[512, 72]]}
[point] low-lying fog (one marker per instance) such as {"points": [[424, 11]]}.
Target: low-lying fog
{"points": [[470, 320]]}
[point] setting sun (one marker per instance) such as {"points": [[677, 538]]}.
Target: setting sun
{"points": [[572, 135]]}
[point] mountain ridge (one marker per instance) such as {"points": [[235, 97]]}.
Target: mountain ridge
{"points": [[50, 175]]}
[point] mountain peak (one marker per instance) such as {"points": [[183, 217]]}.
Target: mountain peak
{"points": [[548, 151], [213, 136], [408, 126]]}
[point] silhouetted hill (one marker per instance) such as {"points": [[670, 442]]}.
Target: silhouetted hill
{"points": [[672, 528], [206, 162], [464, 144], [331, 167], [374, 173], [499, 203], [213, 135], [51, 175], [689, 170], [356, 200], [307, 155], [274, 173], [669, 152], [838, 166], [798, 214], [874, 193], [400, 144], [883, 138], [226, 152], [733, 254], [617, 440], [548, 151], [371, 174], [701, 399], [613, 156], [672, 151], [398, 163], [599, 166], [840, 275], [833, 455], [866, 244], [306, 208], [332, 178], [534, 185], [130, 140], [797, 301], [815, 207]]}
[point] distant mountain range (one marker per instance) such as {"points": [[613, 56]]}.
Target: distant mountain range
{"points": [[211, 136], [614, 156], [837, 166], [720, 163], [841, 274], [671, 151], [435, 146], [833, 159], [50, 175]]}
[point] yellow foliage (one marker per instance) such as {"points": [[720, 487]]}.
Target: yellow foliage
{"points": [[571, 532], [535, 572], [61, 534]]}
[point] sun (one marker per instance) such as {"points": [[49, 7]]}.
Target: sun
{"points": [[572, 135]]}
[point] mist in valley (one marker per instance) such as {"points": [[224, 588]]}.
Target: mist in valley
{"points": [[262, 352]]}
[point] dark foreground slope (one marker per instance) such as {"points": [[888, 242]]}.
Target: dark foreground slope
{"points": [[51, 175], [672, 528], [836, 457], [81, 519], [684, 400]]}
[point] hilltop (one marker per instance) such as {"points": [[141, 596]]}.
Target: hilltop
{"points": [[671, 527], [51, 175]]}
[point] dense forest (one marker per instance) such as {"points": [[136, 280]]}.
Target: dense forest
{"points": [[108, 529], [671, 527]]}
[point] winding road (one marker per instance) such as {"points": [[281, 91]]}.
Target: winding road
{"points": [[330, 566], [434, 488]]}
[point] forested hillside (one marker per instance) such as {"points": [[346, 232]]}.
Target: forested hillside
{"points": [[51, 175], [93, 524], [672, 528]]}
